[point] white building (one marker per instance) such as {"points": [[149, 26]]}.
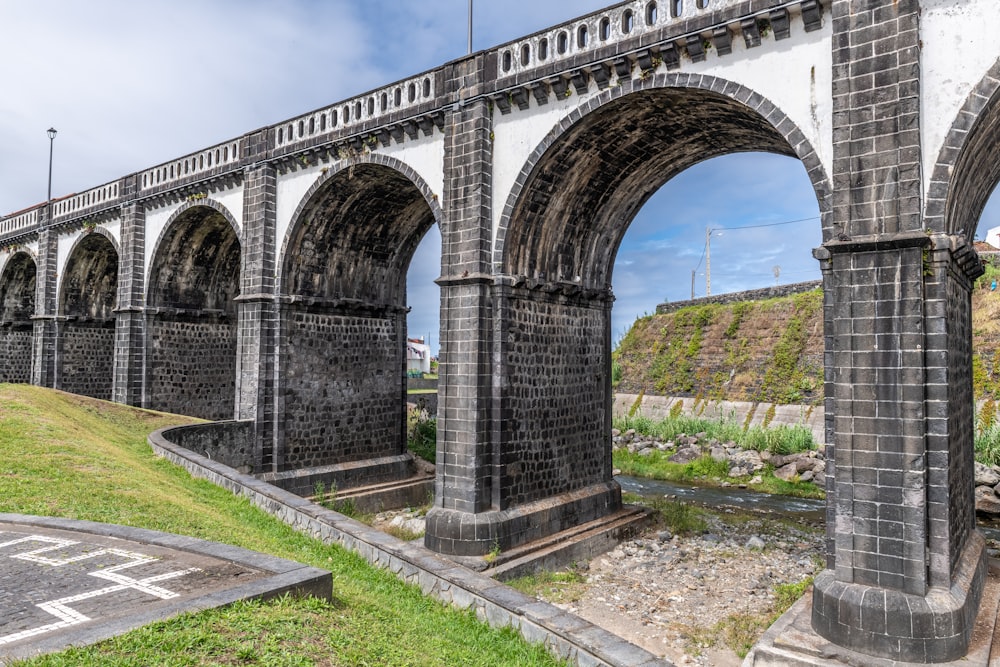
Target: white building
{"points": [[418, 356]]}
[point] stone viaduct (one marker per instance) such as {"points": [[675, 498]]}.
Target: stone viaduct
{"points": [[262, 280]]}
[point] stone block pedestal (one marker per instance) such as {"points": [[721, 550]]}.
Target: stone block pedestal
{"points": [[925, 627]]}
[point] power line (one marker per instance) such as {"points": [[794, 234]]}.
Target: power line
{"points": [[769, 224], [772, 224]]}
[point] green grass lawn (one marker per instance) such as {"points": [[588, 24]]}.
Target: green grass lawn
{"points": [[73, 457]]}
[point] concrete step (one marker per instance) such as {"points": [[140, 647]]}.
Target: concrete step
{"points": [[410, 492], [577, 544]]}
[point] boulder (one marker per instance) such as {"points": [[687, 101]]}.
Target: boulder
{"points": [[718, 453], [986, 476], [787, 472], [987, 501], [748, 460], [686, 455]]}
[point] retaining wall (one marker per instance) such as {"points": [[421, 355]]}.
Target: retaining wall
{"points": [[659, 407], [566, 635]]}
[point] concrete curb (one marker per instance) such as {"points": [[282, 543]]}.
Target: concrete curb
{"points": [[564, 634], [285, 577]]}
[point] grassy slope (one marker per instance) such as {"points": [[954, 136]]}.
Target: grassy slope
{"points": [[63, 455], [770, 350]]}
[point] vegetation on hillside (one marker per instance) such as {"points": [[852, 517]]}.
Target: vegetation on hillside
{"points": [[766, 351], [70, 456]]}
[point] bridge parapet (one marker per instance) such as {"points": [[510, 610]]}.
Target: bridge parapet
{"points": [[210, 161], [376, 105], [100, 197], [18, 223], [643, 33]]}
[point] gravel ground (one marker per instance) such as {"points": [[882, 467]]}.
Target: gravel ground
{"points": [[668, 593]]}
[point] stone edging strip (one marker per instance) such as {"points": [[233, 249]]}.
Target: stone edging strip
{"points": [[564, 634], [285, 576]]}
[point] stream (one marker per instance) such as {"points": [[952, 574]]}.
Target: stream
{"points": [[807, 509]]}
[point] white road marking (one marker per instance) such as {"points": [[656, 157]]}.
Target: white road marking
{"points": [[60, 608]]}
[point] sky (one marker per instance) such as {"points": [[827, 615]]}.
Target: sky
{"points": [[130, 84]]}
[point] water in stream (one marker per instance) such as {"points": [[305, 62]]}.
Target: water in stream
{"points": [[808, 509]]}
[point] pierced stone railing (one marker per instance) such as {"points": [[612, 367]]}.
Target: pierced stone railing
{"points": [[20, 222], [399, 96], [103, 194], [199, 163]]}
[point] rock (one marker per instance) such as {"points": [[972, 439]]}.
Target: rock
{"points": [[807, 476], [664, 536], [718, 453], [754, 543], [787, 472], [749, 460], [986, 476], [803, 463], [987, 501], [646, 451], [757, 479], [615, 433], [686, 455], [737, 472], [415, 525]]}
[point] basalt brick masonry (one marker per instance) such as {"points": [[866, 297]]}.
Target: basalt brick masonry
{"points": [[263, 279]]}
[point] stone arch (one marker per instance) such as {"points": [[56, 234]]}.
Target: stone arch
{"points": [[17, 307], [366, 168], [342, 281], [968, 165], [191, 313], [205, 209], [89, 280], [87, 301], [731, 99], [554, 253]]}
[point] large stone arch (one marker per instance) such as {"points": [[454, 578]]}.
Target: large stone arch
{"points": [[342, 289], [727, 96], [191, 313], [554, 253], [17, 307], [87, 302]]}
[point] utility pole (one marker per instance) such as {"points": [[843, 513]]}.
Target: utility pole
{"points": [[692, 284], [708, 261]]}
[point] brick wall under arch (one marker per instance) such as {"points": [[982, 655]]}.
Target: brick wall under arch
{"points": [[342, 318], [17, 306], [87, 300], [191, 314]]}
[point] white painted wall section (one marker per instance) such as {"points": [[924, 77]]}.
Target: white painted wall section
{"points": [[959, 47]]}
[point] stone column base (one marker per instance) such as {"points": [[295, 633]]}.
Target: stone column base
{"points": [[456, 533], [891, 624]]}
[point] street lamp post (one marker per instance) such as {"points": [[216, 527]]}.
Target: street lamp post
{"points": [[52, 136], [470, 27]]}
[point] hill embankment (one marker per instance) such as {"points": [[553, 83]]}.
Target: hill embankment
{"points": [[766, 350]]}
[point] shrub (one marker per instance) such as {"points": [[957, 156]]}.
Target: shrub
{"points": [[422, 437]]}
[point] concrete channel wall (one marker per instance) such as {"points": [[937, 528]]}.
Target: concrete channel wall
{"points": [[751, 414], [566, 635]]}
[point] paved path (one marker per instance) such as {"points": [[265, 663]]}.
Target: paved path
{"points": [[66, 583]]}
